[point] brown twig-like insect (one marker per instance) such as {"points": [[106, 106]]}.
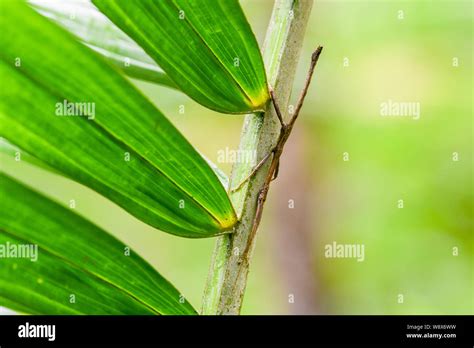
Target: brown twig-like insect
{"points": [[285, 132]]}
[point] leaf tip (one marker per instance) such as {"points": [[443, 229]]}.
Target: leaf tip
{"points": [[259, 102], [228, 222]]}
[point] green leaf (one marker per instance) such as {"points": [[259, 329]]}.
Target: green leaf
{"points": [[73, 257], [99, 33], [206, 47], [12, 151], [18, 155], [165, 183]]}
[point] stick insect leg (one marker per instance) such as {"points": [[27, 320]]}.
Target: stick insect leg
{"points": [[277, 109], [253, 172]]}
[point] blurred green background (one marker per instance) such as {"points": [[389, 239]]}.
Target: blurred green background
{"points": [[374, 51]]}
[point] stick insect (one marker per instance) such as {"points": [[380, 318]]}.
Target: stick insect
{"points": [[275, 153]]}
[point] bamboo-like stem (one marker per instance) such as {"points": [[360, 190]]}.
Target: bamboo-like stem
{"points": [[227, 278]]}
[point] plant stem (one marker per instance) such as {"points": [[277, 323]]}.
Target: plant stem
{"points": [[227, 277]]}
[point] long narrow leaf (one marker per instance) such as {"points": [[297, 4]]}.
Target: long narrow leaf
{"points": [[156, 175], [206, 47], [53, 261], [20, 155]]}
